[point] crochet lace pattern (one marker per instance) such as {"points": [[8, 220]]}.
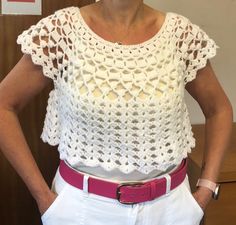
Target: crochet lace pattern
{"points": [[118, 106]]}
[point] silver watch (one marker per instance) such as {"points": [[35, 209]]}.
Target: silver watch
{"points": [[216, 192]]}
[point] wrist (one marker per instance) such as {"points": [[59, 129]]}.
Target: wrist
{"points": [[204, 191], [209, 187], [203, 196]]}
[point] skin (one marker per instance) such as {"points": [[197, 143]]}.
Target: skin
{"points": [[218, 112], [19, 87]]}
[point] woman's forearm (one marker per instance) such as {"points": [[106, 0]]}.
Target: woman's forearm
{"points": [[218, 129], [217, 136], [16, 150]]}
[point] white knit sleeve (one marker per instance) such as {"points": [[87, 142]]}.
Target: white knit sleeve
{"points": [[196, 48], [46, 43]]}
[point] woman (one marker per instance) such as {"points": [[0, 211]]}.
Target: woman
{"points": [[117, 113]]}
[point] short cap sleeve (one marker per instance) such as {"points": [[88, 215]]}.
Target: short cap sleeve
{"points": [[46, 44], [196, 48]]}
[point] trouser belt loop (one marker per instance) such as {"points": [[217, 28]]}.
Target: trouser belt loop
{"points": [[85, 183], [168, 183]]}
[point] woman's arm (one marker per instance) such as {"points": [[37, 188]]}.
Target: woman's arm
{"points": [[217, 109], [23, 82]]}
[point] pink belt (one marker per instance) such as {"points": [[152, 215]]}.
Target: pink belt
{"points": [[129, 192]]}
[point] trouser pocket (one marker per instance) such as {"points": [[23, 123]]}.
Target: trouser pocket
{"points": [[183, 208], [192, 207], [56, 205], [67, 208], [194, 203]]}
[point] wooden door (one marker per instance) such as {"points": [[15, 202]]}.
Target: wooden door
{"points": [[17, 207]]}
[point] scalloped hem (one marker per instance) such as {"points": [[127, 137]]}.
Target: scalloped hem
{"points": [[131, 169], [49, 141]]}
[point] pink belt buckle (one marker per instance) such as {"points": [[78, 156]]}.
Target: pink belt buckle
{"points": [[118, 193]]}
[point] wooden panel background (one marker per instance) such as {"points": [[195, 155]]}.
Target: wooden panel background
{"points": [[17, 207]]}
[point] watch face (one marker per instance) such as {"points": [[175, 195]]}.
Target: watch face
{"points": [[215, 194]]}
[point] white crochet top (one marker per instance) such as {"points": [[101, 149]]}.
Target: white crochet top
{"points": [[118, 106]]}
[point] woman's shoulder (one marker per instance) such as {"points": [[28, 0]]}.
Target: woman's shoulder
{"points": [[175, 24], [178, 15], [183, 26], [70, 10], [57, 24], [57, 18], [49, 41], [61, 15], [183, 22], [161, 15]]}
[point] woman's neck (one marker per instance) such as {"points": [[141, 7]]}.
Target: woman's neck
{"points": [[123, 12]]}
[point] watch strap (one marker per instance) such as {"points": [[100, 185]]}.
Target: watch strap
{"points": [[206, 183]]}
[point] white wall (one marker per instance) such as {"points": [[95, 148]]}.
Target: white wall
{"points": [[218, 19]]}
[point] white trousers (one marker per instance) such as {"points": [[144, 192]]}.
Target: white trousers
{"points": [[74, 206]]}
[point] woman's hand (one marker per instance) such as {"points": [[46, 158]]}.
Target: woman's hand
{"points": [[45, 202], [203, 196]]}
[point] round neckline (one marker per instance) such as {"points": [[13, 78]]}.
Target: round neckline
{"points": [[115, 44]]}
